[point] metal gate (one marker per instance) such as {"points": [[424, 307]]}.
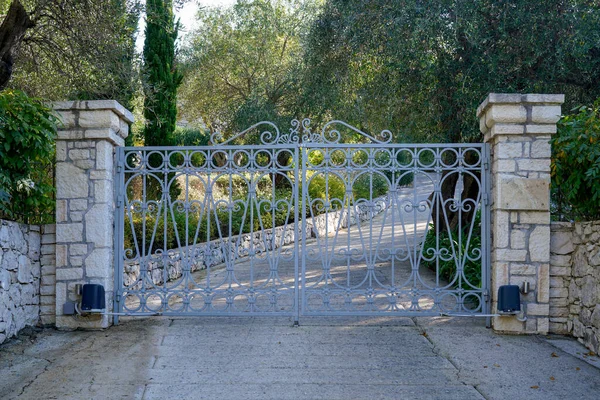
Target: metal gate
{"points": [[330, 222]]}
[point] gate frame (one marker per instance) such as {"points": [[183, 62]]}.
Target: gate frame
{"points": [[485, 183], [299, 143]]}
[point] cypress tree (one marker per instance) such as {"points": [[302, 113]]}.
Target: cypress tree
{"points": [[161, 80], [160, 73]]}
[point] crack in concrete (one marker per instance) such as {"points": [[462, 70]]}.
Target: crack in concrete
{"points": [[437, 351], [144, 391], [28, 384], [49, 361]]}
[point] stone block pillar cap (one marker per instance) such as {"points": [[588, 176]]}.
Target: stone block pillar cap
{"points": [[511, 98], [90, 105]]}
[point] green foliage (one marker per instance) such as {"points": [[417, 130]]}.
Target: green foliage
{"points": [[191, 137], [160, 74], [576, 165], [78, 50], [369, 186], [332, 187], [447, 269], [198, 230], [421, 68], [244, 64], [161, 79], [27, 132]]}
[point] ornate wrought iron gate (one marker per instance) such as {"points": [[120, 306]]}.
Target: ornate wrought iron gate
{"points": [[335, 222]]}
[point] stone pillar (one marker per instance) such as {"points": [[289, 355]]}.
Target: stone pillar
{"points": [[85, 202], [518, 129]]}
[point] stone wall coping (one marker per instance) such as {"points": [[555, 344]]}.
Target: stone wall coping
{"points": [[87, 105], [515, 98], [557, 226], [34, 228]]}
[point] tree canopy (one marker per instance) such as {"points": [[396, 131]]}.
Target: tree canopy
{"points": [[244, 64], [416, 67], [423, 66], [75, 49]]}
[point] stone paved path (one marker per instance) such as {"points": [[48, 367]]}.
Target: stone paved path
{"points": [[324, 358]]}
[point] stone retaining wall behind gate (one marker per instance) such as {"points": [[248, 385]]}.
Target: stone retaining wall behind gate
{"points": [[575, 281], [284, 235]]}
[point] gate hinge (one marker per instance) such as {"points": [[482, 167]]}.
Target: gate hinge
{"points": [[118, 298], [486, 296], [486, 199], [120, 164], [120, 201]]}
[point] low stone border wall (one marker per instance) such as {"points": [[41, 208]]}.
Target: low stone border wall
{"points": [[575, 281], [211, 254], [48, 280], [20, 273]]}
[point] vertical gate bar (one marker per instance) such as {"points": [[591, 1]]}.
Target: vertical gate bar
{"points": [[302, 278], [166, 198], [297, 245], [487, 232], [145, 251], [119, 235]]}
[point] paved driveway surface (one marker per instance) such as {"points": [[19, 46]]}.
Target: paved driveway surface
{"points": [[323, 358]]}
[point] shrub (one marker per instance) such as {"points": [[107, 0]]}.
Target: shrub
{"points": [[27, 132], [184, 136], [576, 165], [472, 269], [176, 222], [369, 186]]}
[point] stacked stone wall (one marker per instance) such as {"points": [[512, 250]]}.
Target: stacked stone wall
{"points": [[48, 279], [575, 281], [20, 272]]}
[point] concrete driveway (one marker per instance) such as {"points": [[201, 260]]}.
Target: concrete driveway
{"points": [[323, 358]]}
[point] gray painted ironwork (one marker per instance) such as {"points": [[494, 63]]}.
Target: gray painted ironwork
{"points": [[349, 228]]}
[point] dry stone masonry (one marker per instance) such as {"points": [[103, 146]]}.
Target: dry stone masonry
{"points": [[85, 200], [575, 281], [19, 277], [518, 129]]}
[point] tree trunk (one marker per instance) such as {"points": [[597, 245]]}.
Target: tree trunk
{"points": [[12, 30], [471, 190], [280, 180]]}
